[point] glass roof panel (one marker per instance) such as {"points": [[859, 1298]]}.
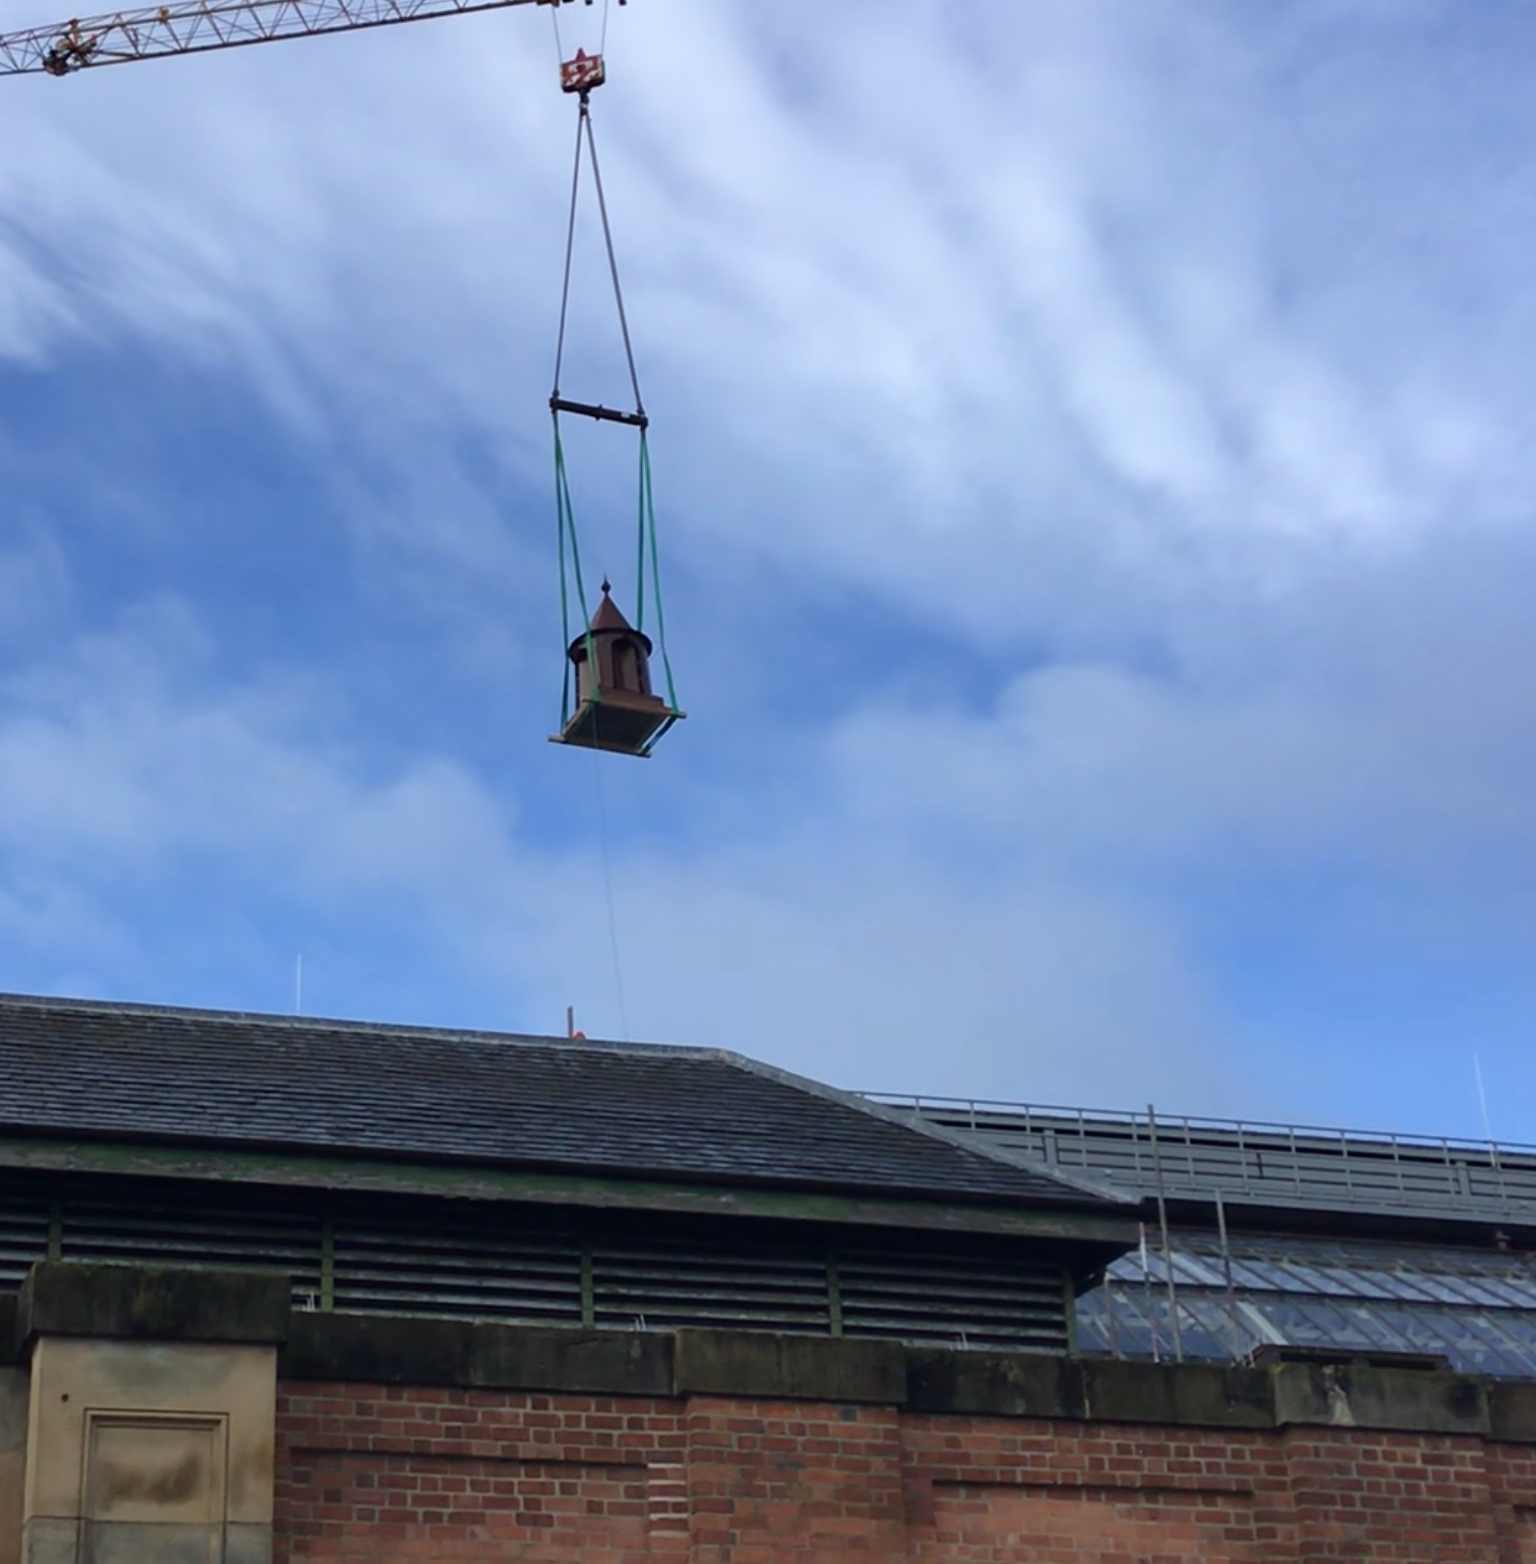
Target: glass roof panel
{"points": [[1368, 1327], [1232, 1330], [1304, 1324], [1476, 1306], [1503, 1292], [1260, 1276], [1349, 1283], [1444, 1289], [1517, 1332], [1469, 1289], [1197, 1340], [1316, 1279], [1188, 1270]]}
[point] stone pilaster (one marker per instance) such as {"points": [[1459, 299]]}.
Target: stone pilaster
{"points": [[152, 1407]]}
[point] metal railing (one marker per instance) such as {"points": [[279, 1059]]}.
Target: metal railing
{"points": [[1257, 1163]]}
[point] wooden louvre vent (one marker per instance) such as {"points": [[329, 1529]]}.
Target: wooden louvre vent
{"points": [[228, 1239], [978, 1303], [745, 1287], [403, 1257], [474, 1272], [24, 1227]]}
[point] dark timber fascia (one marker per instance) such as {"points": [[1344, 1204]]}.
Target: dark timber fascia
{"points": [[1114, 1229]]}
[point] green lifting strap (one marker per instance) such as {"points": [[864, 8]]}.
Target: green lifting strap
{"points": [[648, 542], [567, 528]]}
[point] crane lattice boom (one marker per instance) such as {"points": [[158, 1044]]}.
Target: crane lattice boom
{"points": [[195, 26]]}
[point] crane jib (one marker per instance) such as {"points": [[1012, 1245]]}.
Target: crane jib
{"points": [[198, 26]]}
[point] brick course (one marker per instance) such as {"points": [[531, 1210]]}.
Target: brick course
{"points": [[392, 1473]]}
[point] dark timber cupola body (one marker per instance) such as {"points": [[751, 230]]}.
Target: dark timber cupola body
{"points": [[615, 707]]}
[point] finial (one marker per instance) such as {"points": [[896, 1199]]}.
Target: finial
{"points": [[607, 588]]}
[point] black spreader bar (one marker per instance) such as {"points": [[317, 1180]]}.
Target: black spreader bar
{"points": [[612, 415]]}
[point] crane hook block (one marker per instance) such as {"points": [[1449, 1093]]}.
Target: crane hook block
{"points": [[583, 73]]}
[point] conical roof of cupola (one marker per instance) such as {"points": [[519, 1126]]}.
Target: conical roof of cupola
{"points": [[608, 616]]}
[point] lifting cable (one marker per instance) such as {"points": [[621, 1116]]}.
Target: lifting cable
{"points": [[556, 401], [646, 542]]}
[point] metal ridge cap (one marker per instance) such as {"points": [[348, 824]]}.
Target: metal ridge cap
{"points": [[276, 1021]]}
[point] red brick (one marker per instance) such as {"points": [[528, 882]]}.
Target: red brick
{"points": [[395, 1475]]}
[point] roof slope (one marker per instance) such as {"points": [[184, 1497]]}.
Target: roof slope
{"points": [[129, 1072]]}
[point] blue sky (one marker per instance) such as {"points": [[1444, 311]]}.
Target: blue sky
{"points": [[1091, 450]]}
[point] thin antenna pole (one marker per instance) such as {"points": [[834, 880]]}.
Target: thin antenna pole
{"points": [[570, 1020], [1146, 1288], [1482, 1097], [1112, 1315], [1226, 1271], [1162, 1222]]}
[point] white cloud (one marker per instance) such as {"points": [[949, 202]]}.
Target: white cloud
{"points": [[810, 942], [949, 316], [1115, 351]]}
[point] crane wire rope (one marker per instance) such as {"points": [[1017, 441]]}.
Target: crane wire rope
{"points": [[567, 537], [570, 244], [566, 520], [554, 16], [646, 541], [567, 534], [585, 119], [584, 127], [613, 922]]}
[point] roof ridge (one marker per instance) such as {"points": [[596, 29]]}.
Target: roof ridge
{"points": [[278, 1021], [1087, 1187]]}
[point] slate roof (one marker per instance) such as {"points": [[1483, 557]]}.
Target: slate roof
{"points": [[88, 1069]]}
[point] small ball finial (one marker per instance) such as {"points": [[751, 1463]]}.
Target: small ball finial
{"points": [[607, 588]]}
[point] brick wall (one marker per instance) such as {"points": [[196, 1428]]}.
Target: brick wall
{"points": [[378, 1473], [388, 1474]]}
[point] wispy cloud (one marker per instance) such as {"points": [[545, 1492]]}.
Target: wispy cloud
{"points": [[1092, 459]]}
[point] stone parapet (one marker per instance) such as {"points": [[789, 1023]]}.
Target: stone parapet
{"points": [[150, 1303], [180, 1416], [493, 1356]]}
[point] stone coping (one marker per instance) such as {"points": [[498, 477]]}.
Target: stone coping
{"points": [[398, 1350], [141, 1303], [150, 1303]]}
